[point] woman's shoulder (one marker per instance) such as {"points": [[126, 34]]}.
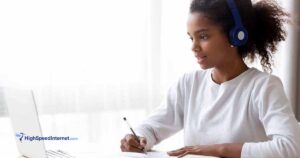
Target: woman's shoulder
{"points": [[261, 77], [263, 82]]}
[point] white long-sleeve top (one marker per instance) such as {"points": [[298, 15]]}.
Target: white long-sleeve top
{"points": [[252, 109]]}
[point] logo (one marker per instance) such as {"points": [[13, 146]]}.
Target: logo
{"points": [[20, 136], [24, 137]]}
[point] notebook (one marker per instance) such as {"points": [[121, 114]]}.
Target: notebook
{"points": [[154, 155]]}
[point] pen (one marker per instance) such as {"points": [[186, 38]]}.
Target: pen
{"points": [[136, 137]]}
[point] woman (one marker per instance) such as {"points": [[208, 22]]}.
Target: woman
{"points": [[227, 109]]}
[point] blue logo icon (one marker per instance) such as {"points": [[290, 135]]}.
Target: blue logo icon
{"points": [[20, 136]]}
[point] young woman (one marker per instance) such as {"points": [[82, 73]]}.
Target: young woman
{"points": [[227, 109]]}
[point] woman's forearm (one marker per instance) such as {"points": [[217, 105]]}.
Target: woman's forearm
{"points": [[230, 150]]}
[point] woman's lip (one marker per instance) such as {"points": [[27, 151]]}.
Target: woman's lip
{"points": [[200, 59], [201, 56]]}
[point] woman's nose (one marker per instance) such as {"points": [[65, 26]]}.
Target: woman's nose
{"points": [[196, 47]]}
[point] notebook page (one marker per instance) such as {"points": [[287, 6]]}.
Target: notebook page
{"points": [[155, 155], [142, 155]]}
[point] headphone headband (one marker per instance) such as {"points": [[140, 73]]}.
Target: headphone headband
{"points": [[238, 34], [234, 11]]}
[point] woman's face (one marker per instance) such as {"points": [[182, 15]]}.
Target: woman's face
{"points": [[209, 43]]}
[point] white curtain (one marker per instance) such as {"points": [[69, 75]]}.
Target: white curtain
{"points": [[78, 49]]}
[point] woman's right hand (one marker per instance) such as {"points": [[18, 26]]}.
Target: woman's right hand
{"points": [[130, 144]]}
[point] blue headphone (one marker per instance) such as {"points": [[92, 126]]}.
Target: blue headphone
{"points": [[238, 34]]}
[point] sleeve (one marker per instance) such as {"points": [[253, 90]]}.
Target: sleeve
{"points": [[279, 122], [167, 119]]}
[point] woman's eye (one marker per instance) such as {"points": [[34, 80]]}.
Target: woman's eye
{"points": [[203, 37], [200, 37]]}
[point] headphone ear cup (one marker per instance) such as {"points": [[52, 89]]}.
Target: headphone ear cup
{"points": [[238, 36]]}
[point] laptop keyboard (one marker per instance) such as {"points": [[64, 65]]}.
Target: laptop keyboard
{"points": [[58, 154]]}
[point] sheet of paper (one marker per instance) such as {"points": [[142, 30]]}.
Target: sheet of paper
{"points": [[142, 155], [154, 155]]}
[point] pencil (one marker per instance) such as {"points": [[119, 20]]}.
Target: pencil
{"points": [[135, 136]]}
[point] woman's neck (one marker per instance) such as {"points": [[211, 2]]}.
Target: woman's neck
{"points": [[229, 71]]}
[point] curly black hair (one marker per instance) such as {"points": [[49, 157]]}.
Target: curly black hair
{"points": [[263, 20]]}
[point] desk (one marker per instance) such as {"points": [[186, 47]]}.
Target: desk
{"points": [[150, 155]]}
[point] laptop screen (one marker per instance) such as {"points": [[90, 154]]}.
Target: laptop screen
{"points": [[25, 122]]}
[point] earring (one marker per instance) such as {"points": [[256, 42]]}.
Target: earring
{"points": [[231, 46]]}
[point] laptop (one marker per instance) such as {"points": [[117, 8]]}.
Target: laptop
{"points": [[22, 110]]}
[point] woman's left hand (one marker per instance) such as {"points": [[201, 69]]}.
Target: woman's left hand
{"points": [[207, 150], [217, 150]]}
